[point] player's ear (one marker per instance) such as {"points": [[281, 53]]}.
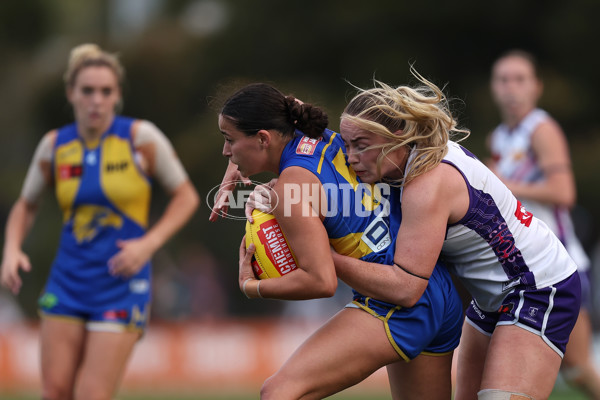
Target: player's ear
{"points": [[69, 93], [540, 88], [264, 137]]}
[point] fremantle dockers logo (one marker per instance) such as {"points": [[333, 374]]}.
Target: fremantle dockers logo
{"points": [[533, 311]]}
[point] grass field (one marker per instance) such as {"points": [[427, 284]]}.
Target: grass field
{"points": [[558, 394]]}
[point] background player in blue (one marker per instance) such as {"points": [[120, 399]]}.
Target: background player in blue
{"points": [[267, 131], [525, 287], [96, 301], [530, 153]]}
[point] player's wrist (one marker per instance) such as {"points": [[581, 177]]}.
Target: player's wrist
{"points": [[251, 288]]}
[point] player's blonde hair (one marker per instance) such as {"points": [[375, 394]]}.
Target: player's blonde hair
{"points": [[418, 118], [88, 54]]}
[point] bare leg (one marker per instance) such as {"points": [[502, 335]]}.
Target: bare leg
{"points": [[577, 365], [106, 356], [471, 360], [425, 377], [61, 351], [335, 357], [520, 361]]}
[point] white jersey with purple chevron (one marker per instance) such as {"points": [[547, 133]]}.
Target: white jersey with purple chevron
{"points": [[498, 245], [515, 160]]}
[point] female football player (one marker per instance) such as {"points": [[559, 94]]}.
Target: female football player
{"points": [[322, 203], [525, 287], [530, 154], [95, 304]]}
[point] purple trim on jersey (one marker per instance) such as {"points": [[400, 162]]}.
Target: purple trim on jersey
{"points": [[560, 227], [485, 219], [467, 152]]}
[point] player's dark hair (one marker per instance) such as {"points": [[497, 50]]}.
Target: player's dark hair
{"points": [[525, 55], [261, 106]]}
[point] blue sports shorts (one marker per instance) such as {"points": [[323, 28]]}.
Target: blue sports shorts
{"points": [[115, 306], [432, 326]]}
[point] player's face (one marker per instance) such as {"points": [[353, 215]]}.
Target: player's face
{"points": [[364, 160], [243, 150], [515, 87], [94, 96]]}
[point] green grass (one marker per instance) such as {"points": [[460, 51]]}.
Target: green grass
{"points": [[558, 394]]}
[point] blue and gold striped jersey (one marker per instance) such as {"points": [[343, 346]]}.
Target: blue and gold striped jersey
{"points": [[361, 221], [104, 197]]}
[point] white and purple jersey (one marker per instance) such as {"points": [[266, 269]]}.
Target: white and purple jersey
{"points": [[498, 245], [515, 160]]}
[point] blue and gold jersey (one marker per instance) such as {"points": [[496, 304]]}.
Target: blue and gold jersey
{"points": [[104, 197], [361, 221]]}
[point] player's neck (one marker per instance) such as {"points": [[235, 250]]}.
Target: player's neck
{"points": [[91, 134], [514, 118]]}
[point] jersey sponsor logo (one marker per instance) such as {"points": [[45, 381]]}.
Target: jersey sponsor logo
{"points": [[139, 286], [506, 308], [48, 300], [116, 166], [115, 315], [477, 310], [377, 234], [307, 146], [523, 215], [68, 171]]}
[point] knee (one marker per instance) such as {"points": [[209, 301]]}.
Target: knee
{"points": [[269, 389], [54, 390], [277, 387], [92, 391]]}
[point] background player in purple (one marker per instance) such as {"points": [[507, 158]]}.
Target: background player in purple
{"points": [[530, 154]]}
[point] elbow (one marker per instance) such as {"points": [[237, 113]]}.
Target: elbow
{"points": [[568, 199], [410, 300], [192, 198], [410, 296], [327, 287]]}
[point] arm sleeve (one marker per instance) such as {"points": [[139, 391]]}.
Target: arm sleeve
{"points": [[39, 175], [167, 167]]}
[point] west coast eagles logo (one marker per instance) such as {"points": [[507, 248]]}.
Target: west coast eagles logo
{"points": [[89, 220]]}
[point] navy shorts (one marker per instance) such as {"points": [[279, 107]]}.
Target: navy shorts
{"points": [[432, 326], [549, 312]]}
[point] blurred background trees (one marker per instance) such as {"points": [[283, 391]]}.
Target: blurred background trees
{"points": [[183, 56]]}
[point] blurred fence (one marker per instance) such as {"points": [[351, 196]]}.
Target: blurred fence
{"points": [[223, 355]]}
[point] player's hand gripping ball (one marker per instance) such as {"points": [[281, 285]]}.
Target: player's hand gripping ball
{"points": [[273, 256]]}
